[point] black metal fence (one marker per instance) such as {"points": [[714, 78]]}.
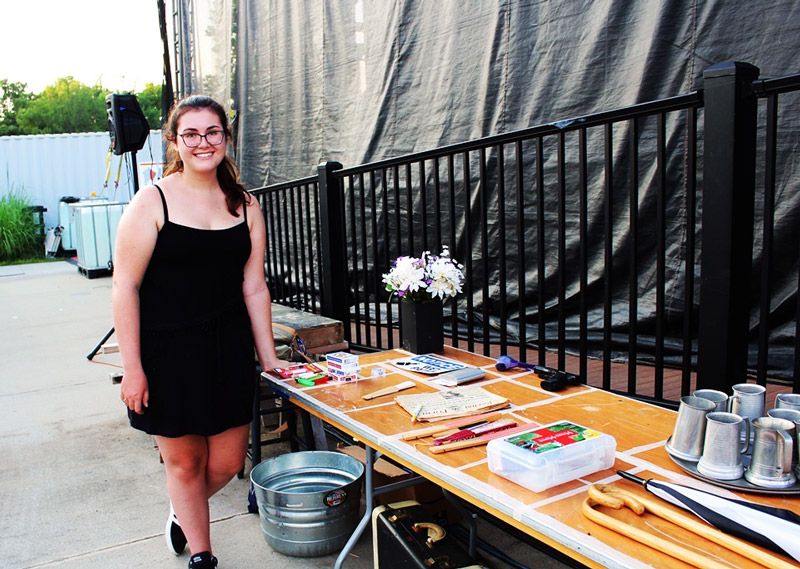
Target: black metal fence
{"points": [[579, 238]]}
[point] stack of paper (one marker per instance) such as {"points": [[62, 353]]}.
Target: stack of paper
{"points": [[458, 402]]}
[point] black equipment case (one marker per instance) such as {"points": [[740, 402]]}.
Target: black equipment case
{"points": [[404, 535]]}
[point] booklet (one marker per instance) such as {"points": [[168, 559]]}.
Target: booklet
{"points": [[427, 364]]}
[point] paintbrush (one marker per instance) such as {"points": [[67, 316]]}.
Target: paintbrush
{"points": [[477, 430], [454, 424], [481, 440]]}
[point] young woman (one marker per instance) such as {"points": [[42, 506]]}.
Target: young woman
{"points": [[190, 303]]}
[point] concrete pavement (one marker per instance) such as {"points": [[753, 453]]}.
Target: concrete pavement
{"points": [[80, 489]]}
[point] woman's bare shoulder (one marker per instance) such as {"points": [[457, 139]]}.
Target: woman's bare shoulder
{"points": [[147, 197], [151, 193], [250, 200], [253, 206], [146, 206]]}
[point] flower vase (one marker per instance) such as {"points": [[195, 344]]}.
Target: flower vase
{"points": [[421, 327]]}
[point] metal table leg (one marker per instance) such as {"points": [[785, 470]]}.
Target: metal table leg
{"points": [[362, 525], [371, 492], [469, 516]]}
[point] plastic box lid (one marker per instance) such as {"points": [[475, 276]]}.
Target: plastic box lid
{"points": [[546, 456]]}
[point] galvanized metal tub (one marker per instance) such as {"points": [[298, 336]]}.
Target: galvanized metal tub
{"points": [[308, 502]]}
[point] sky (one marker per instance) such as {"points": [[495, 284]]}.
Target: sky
{"points": [[113, 42]]}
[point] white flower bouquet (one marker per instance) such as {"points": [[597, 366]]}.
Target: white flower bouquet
{"points": [[426, 278]]}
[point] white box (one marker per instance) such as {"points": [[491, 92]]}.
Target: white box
{"points": [[348, 367], [342, 360], [546, 456], [343, 372], [96, 231], [351, 377]]}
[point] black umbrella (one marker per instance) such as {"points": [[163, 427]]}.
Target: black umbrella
{"points": [[777, 529]]}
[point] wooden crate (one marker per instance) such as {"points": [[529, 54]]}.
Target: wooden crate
{"points": [[319, 333]]}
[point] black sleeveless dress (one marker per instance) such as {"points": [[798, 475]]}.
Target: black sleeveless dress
{"points": [[197, 347]]}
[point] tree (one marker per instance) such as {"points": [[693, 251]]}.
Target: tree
{"points": [[66, 106], [150, 102], [13, 98]]}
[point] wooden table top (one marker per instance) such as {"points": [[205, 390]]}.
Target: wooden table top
{"points": [[554, 515]]}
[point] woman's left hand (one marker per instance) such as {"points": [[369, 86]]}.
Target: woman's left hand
{"points": [[269, 366]]}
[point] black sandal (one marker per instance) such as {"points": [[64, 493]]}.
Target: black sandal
{"points": [[203, 560]]}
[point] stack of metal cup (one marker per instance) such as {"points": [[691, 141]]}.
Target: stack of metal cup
{"points": [[730, 437]]}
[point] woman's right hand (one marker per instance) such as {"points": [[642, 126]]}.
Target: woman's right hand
{"points": [[133, 390]]}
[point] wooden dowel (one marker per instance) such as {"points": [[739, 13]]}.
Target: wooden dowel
{"points": [[466, 443], [389, 390]]}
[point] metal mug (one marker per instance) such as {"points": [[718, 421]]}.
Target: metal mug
{"points": [[688, 435], [773, 449], [722, 451], [719, 398], [794, 416], [787, 401], [747, 401]]}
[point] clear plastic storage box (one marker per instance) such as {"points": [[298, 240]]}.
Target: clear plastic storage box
{"points": [[550, 455]]}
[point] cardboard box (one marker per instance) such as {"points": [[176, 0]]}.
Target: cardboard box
{"points": [[385, 473], [428, 494]]}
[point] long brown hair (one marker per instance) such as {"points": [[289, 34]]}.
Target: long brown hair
{"points": [[227, 172]]}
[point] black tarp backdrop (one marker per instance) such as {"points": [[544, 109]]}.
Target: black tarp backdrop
{"points": [[357, 81], [361, 80]]}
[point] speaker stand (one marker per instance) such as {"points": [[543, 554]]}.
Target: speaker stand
{"points": [[93, 353], [135, 172]]}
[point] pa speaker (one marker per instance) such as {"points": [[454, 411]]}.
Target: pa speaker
{"points": [[127, 124]]}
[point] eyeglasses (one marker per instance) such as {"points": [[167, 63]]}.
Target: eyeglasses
{"points": [[213, 137]]}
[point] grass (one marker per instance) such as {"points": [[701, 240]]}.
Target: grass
{"points": [[30, 260], [19, 238]]}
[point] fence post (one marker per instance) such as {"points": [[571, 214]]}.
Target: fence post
{"points": [[727, 223], [335, 295]]}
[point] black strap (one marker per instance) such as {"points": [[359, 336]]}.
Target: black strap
{"points": [[166, 211], [244, 207], [163, 201]]}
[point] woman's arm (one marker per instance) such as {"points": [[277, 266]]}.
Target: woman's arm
{"points": [[256, 293], [136, 237]]}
